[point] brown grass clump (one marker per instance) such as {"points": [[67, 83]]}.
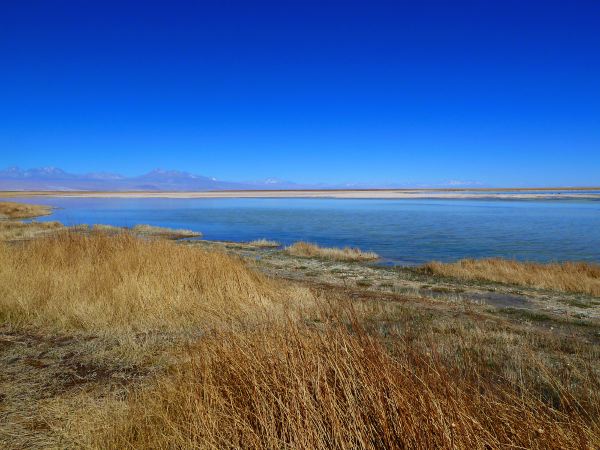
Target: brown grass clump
{"points": [[12, 210], [309, 250], [163, 232], [567, 277], [120, 282], [149, 231], [296, 387], [264, 243]]}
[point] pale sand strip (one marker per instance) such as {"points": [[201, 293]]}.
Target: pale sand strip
{"points": [[356, 194]]}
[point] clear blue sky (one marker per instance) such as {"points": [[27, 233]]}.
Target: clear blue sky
{"points": [[497, 92]]}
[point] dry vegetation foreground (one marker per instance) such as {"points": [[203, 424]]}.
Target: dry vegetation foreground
{"points": [[109, 340], [83, 316], [120, 338]]}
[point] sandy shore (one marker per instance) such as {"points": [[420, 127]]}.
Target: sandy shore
{"points": [[524, 194]]}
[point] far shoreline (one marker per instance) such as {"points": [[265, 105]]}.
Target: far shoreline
{"points": [[582, 193]]}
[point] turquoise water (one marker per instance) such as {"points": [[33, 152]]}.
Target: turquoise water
{"points": [[402, 231]]}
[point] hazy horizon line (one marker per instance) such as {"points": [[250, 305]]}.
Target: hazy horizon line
{"points": [[48, 171]]}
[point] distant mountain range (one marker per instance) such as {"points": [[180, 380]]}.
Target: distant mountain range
{"points": [[55, 179]]}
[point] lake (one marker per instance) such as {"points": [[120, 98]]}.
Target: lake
{"points": [[401, 231]]}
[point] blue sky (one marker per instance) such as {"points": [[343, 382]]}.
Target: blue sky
{"points": [[496, 92]]}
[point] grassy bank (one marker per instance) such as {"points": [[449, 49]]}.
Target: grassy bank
{"points": [[120, 282], [10, 210], [567, 277], [14, 229]]}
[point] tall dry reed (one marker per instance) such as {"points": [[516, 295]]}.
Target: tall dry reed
{"points": [[296, 387]]}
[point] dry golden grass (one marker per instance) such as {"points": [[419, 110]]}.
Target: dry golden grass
{"points": [[309, 250], [11, 210], [264, 243], [83, 316], [91, 320], [166, 233], [120, 282], [567, 277], [149, 231], [15, 230], [296, 387], [107, 228]]}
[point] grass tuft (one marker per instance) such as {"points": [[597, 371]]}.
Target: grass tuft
{"points": [[309, 250], [264, 243], [149, 231], [107, 228], [166, 233]]}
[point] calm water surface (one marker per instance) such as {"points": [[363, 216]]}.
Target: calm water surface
{"points": [[402, 231]]}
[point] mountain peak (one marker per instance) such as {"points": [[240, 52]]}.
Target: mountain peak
{"points": [[16, 172], [49, 170], [104, 176], [169, 174]]}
